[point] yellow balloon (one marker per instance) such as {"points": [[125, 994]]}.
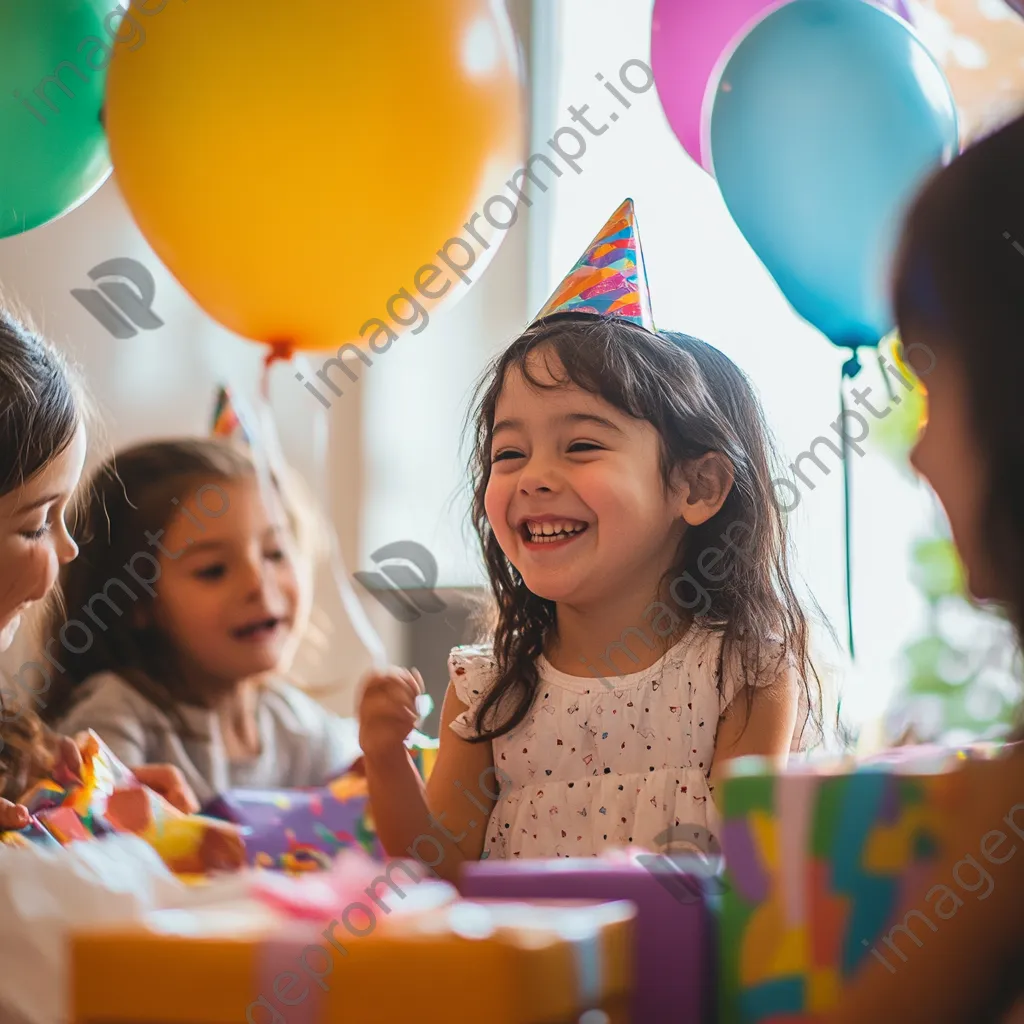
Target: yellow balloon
{"points": [[297, 163]]}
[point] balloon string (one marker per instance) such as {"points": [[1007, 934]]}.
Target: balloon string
{"points": [[850, 370], [268, 457], [257, 426], [278, 351], [353, 606]]}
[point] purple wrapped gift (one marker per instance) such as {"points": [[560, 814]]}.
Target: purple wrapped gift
{"points": [[675, 967], [298, 830]]}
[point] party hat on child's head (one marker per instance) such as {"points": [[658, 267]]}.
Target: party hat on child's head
{"points": [[228, 422], [610, 278]]}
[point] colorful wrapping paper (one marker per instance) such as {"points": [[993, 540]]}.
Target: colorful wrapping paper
{"points": [[818, 861], [467, 961], [674, 959], [300, 830], [107, 798], [424, 757], [32, 833]]}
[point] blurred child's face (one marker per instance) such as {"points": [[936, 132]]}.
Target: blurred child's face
{"points": [[34, 540], [948, 455], [576, 497], [228, 593]]}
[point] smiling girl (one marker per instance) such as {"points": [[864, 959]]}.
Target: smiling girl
{"points": [[613, 465]]}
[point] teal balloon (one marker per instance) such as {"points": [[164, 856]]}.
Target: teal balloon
{"points": [[826, 120], [53, 150]]}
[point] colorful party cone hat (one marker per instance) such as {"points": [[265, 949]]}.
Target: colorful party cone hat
{"points": [[610, 278], [227, 421]]}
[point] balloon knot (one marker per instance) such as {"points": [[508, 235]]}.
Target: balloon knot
{"points": [[852, 365], [279, 351]]}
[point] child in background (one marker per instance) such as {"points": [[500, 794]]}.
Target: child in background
{"points": [[624, 502], [959, 297], [42, 452], [190, 589]]}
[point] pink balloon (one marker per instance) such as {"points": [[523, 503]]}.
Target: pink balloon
{"points": [[687, 39]]}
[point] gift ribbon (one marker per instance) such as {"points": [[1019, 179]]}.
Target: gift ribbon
{"points": [[589, 969], [584, 936], [279, 957], [795, 796]]}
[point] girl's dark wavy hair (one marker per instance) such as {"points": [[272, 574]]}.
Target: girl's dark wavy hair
{"points": [[42, 406], [699, 401], [129, 494], [959, 292], [130, 499]]}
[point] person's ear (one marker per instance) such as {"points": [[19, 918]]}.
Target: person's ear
{"points": [[705, 484]]}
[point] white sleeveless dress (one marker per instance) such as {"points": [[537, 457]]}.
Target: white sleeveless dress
{"points": [[596, 765]]}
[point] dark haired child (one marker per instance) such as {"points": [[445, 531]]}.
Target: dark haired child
{"points": [[647, 629], [42, 452], [183, 660], [959, 298]]}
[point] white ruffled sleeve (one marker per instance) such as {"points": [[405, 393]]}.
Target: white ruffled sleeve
{"points": [[471, 671]]}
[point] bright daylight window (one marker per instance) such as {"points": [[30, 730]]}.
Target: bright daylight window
{"points": [[912, 628], [705, 280]]}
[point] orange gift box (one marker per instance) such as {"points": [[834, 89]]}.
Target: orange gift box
{"points": [[496, 961]]}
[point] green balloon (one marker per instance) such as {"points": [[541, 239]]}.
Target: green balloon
{"points": [[53, 70]]}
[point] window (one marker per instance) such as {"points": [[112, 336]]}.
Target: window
{"points": [[705, 280]]}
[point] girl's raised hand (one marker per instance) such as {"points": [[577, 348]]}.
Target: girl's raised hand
{"points": [[387, 710]]}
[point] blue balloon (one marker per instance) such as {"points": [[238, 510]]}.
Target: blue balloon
{"points": [[825, 122]]}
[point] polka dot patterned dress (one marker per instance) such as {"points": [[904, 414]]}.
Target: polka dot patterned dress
{"points": [[601, 764]]}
